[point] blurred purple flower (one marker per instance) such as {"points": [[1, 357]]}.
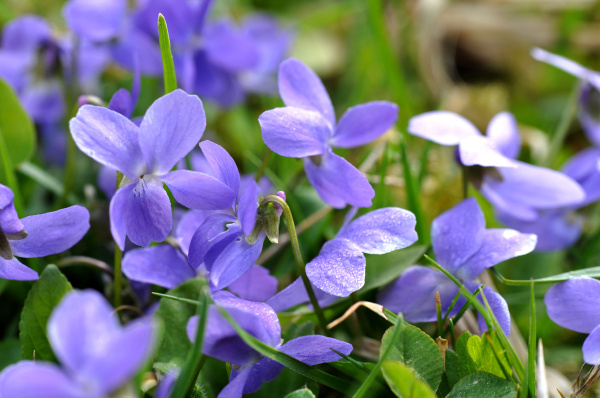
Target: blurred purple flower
{"points": [[145, 155], [515, 188], [306, 128], [574, 305], [36, 236], [97, 355], [222, 342], [465, 248]]}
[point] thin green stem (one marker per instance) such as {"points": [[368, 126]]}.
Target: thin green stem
{"points": [[438, 313], [118, 257], [263, 164], [287, 214], [530, 379], [563, 126], [465, 182]]}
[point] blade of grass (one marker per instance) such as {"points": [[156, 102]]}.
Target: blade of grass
{"points": [[167, 57], [180, 299], [289, 362], [364, 387], [195, 359], [593, 272]]}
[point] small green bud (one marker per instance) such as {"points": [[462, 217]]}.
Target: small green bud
{"points": [[270, 217]]}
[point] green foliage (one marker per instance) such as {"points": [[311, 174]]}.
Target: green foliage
{"points": [[418, 351], [482, 354], [404, 382], [167, 57], [10, 352], [43, 297], [174, 343], [483, 385], [16, 129], [302, 393], [383, 269]]}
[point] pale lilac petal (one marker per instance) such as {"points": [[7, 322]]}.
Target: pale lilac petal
{"points": [[248, 207], [109, 138], [382, 230], [118, 214], [294, 132], [9, 220], [413, 294], [457, 234], [211, 232], [566, 65], [161, 265], [591, 347], [198, 190], [504, 132], [222, 164], [479, 150], [171, 128], [301, 88], [338, 182], [233, 261], [364, 123], [148, 215], [339, 269], [555, 229], [313, 350], [239, 378], [107, 181], [574, 304], [442, 127], [129, 349], [519, 211], [229, 48], [536, 187], [497, 305], [13, 269], [52, 233], [582, 164], [122, 102], [29, 379], [96, 20], [498, 245], [81, 329], [257, 284]]}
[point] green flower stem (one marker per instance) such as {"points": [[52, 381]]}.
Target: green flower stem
{"points": [[287, 214], [118, 256], [263, 165]]}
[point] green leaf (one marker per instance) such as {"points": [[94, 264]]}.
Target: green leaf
{"points": [[451, 374], [43, 297], [418, 351], [302, 393], [483, 385], [482, 354], [10, 352], [404, 382], [174, 315], [167, 57], [16, 127], [382, 269], [193, 364]]}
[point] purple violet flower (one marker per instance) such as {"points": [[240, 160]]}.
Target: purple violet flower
{"points": [[306, 128], [252, 369], [97, 355], [464, 247], [516, 188], [222, 242], [574, 305], [36, 236], [145, 155]]}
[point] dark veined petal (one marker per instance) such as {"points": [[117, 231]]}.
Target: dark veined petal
{"points": [[171, 128], [247, 208], [118, 214], [148, 212]]}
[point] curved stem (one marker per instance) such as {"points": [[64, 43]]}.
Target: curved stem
{"points": [[263, 165], [298, 256], [86, 261]]}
